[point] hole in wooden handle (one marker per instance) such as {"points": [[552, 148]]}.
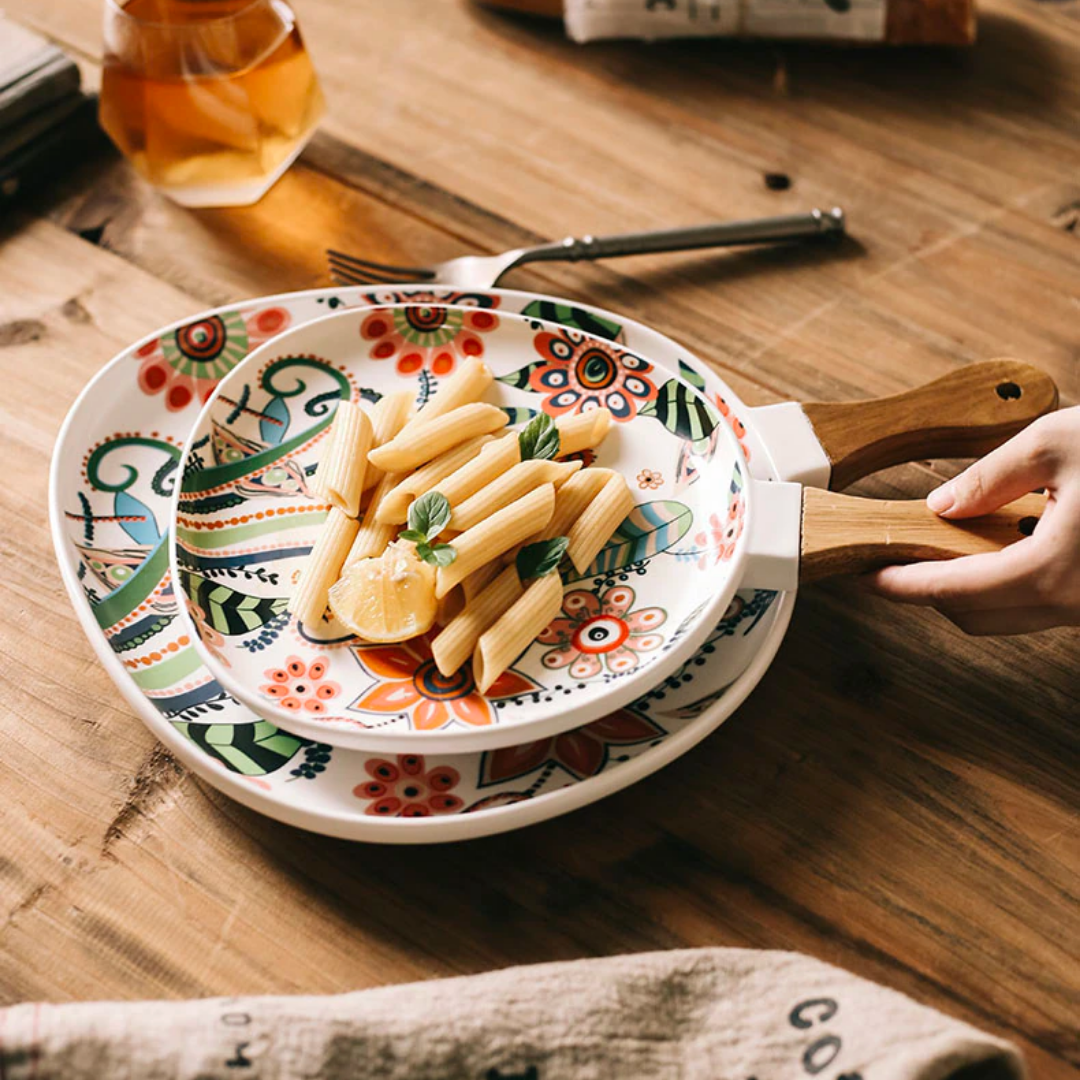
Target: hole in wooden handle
{"points": [[1026, 525], [954, 416]]}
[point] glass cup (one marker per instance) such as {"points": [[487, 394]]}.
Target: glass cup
{"points": [[211, 100]]}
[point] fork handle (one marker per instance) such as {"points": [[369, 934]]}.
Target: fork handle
{"points": [[724, 234]]}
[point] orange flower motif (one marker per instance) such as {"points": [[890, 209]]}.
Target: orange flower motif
{"points": [[721, 538], [409, 683], [647, 478], [186, 364], [407, 788], [583, 752], [299, 686], [426, 336], [594, 631], [579, 373]]}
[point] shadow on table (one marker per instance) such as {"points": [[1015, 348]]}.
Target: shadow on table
{"points": [[865, 780]]}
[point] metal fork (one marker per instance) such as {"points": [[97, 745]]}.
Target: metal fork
{"points": [[483, 271]]}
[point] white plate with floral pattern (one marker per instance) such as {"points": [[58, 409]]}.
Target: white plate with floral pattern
{"points": [[110, 487], [246, 519]]}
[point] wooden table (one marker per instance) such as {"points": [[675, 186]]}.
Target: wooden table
{"points": [[895, 798]]}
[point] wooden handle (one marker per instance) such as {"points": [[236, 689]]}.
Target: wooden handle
{"points": [[964, 414], [842, 534]]}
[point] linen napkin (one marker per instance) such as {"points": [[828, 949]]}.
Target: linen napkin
{"points": [[698, 1014]]}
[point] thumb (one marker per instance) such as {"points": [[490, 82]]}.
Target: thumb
{"points": [[1026, 462]]}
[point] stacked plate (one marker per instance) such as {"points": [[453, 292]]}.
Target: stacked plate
{"points": [[181, 583], [114, 477]]}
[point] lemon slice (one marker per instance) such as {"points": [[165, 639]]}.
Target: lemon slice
{"points": [[387, 599]]}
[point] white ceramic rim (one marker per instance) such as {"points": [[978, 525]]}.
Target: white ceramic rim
{"points": [[614, 696], [386, 830]]}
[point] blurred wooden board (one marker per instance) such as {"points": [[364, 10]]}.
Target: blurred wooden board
{"points": [[908, 22], [895, 798]]}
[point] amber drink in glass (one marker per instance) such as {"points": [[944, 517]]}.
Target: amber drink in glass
{"points": [[211, 100]]}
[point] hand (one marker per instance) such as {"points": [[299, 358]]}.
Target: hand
{"points": [[1030, 585]]}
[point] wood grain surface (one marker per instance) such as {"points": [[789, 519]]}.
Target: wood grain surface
{"points": [[847, 534], [894, 798], [965, 413]]}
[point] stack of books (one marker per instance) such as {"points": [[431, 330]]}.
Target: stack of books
{"points": [[46, 122]]}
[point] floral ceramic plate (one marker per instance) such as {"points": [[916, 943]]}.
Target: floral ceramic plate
{"points": [[112, 477], [246, 521]]}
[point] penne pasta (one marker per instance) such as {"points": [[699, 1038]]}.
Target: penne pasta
{"points": [[373, 537], [518, 481], [478, 580], [383, 460], [394, 509], [572, 498], [515, 630], [570, 502], [340, 476], [450, 606], [323, 567], [582, 431], [456, 641], [408, 451], [388, 416], [497, 457], [603, 515], [505, 529], [467, 384]]}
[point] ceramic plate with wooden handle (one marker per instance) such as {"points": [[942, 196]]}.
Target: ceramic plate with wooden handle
{"points": [[700, 526], [798, 532], [239, 754]]}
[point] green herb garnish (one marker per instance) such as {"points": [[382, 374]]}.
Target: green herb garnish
{"points": [[536, 560], [428, 516], [439, 554], [539, 438]]}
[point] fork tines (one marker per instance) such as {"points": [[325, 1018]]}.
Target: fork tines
{"points": [[351, 270]]}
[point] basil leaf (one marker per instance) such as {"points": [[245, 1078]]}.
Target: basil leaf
{"points": [[439, 555], [429, 515], [443, 554], [536, 560], [412, 534], [539, 438]]}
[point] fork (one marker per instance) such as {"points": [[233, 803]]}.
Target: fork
{"points": [[484, 271]]}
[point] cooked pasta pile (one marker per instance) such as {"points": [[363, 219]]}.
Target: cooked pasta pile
{"points": [[447, 516]]}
